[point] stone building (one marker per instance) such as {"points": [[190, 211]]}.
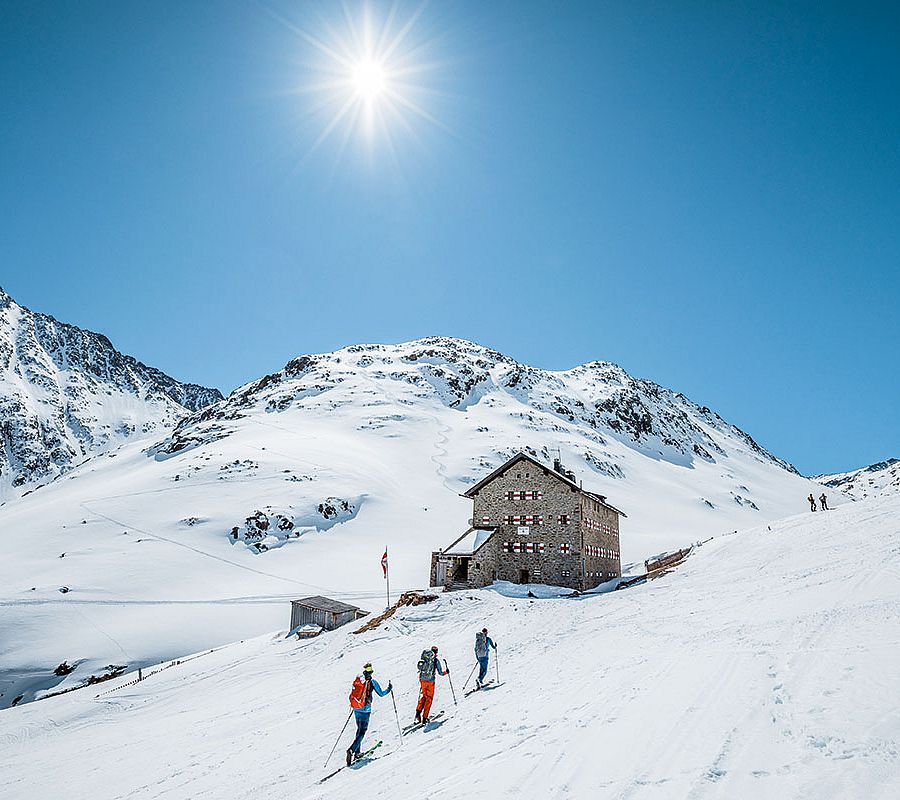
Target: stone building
{"points": [[532, 523]]}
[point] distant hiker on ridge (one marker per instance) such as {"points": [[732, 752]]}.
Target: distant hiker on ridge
{"points": [[361, 703], [812, 502], [428, 664], [482, 644], [824, 501]]}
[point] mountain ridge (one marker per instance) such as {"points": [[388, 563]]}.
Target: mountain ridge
{"points": [[67, 393], [626, 411], [880, 478]]}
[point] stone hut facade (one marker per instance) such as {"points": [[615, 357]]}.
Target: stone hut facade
{"points": [[532, 523]]}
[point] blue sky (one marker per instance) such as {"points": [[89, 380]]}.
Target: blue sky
{"points": [[707, 194]]}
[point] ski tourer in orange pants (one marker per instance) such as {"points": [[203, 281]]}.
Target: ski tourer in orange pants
{"points": [[426, 698], [428, 665]]}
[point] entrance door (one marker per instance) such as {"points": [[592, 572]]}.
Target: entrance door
{"points": [[523, 576], [440, 573], [462, 570]]}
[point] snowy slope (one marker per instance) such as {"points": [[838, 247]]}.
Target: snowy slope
{"points": [[877, 479], [67, 393], [130, 558], [765, 666]]}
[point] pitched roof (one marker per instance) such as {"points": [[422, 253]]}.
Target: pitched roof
{"points": [[473, 490], [325, 604]]}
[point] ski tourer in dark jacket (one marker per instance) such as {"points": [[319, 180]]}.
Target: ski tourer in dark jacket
{"points": [[483, 644]]}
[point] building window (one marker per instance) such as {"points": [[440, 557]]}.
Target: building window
{"points": [[566, 573], [485, 520], [523, 519], [523, 547], [563, 519], [524, 494], [565, 547]]}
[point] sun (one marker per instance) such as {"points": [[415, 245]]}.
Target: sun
{"points": [[369, 79], [365, 80]]}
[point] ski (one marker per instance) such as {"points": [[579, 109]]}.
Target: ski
{"points": [[485, 685], [416, 725], [364, 757], [477, 688]]}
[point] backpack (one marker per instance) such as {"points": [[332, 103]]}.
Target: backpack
{"points": [[426, 666], [361, 693], [481, 646]]}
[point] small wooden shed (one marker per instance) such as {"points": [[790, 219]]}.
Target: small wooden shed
{"points": [[322, 611]]}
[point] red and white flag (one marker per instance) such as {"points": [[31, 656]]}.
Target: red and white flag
{"points": [[384, 563]]}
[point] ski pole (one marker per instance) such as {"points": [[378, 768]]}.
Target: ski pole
{"points": [[470, 676], [447, 667], [338, 739], [397, 717], [497, 663]]}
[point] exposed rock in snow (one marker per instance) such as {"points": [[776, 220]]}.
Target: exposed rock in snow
{"points": [[67, 393]]}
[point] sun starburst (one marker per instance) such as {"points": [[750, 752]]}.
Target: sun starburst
{"points": [[367, 79]]}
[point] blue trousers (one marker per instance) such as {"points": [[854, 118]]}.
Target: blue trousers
{"points": [[483, 664], [362, 725]]}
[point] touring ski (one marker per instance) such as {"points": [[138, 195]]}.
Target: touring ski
{"points": [[486, 685], [363, 758], [416, 725]]}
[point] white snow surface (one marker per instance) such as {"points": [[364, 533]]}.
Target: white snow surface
{"points": [[129, 559], [765, 666]]}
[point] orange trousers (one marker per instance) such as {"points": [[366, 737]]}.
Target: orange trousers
{"points": [[426, 696]]}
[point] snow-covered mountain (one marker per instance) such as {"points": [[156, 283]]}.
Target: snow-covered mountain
{"points": [[762, 667], [882, 478], [67, 393], [294, 484]]}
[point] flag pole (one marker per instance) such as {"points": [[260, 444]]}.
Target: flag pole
{"points": [[387, 576]]}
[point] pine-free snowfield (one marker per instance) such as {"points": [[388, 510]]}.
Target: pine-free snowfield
{"points": [[765, 667]]}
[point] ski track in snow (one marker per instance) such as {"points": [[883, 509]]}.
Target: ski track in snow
{"points": [[764, 666], [196, 550]]}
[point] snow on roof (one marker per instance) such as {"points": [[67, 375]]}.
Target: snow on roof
{"points": [[325, 604], [471, 542]]}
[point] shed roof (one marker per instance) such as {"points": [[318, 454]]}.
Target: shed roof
{"points": [[325, 604], [470, 542]]}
